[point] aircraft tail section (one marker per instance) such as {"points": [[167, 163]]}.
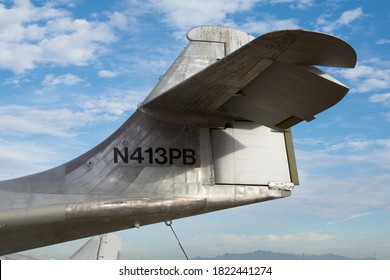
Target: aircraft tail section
{"points": [[206, 46], [213, 134], [102, 247]]}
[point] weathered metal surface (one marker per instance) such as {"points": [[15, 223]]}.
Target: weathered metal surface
{"points": [[159, 165], [207, 45], [102, 191], [246, 83], [249, 154], [102, 247], [232, 39]]}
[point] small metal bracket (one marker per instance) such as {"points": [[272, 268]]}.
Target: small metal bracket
{"points": [[281, 186]]}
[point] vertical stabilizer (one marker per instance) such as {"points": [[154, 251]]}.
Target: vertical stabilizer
{"points": [[207, 44], [102, 247]]}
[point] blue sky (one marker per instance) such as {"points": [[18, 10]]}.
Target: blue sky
{"points": [[72, 71]]}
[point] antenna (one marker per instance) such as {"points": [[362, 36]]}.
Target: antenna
{"points": [[169, 224]]}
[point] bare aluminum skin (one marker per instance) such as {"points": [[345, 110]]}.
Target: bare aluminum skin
{"points": [[159, 165]]}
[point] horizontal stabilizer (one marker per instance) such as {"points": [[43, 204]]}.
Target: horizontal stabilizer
{"points": [[269, 80]]}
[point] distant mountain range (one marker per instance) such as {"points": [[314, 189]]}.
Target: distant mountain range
{"points": [[268, 255]]}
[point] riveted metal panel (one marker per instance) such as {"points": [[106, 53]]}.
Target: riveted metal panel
{"points": [[249, 154]]}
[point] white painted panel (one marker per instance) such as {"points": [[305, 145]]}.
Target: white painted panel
{"points": [[249, 154]]}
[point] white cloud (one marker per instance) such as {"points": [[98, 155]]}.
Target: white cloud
{"points": [[346, 18], [383, 98], [281, 238], [107, 74], [358, 72], [66, 79], [112, 107], [20, 158], [268, 25], [31, 35], [367, 76], [305, 236], [339, 192], [186, 14], [61, 122], [295, 4], [314, 236], [30, 135], [355, 145], [349, 16], [30, 120], [347, 152], [183, 15], [25, 151], [383, 41], [119, 21], [343, 178], [238, 239], [387, 116]]}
